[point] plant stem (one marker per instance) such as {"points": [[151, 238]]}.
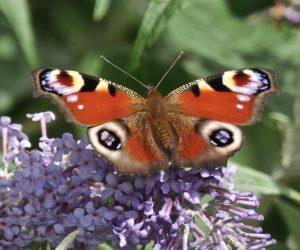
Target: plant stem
{"points": [[43, 126]]}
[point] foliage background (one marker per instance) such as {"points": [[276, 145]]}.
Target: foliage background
{"points": [[144, 37]]}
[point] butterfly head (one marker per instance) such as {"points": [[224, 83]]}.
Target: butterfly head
{"points": [[151, 91]]}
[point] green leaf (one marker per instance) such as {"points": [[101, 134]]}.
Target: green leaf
{"points": [[18, 15], [100, 9], [203, 27], [248, 179], [105, 246], [66, 243], [291, 215], [149, 246], [210, 30], [155, 20]]}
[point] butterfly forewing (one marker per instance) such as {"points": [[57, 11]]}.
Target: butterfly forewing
{"points": [[235, 97], [85, 99]]}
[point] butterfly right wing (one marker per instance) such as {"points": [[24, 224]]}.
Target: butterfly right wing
{"points": [[204, 143], [204, 111]]}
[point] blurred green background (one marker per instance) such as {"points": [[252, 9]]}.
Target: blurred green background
{"points": [[144, 37]]}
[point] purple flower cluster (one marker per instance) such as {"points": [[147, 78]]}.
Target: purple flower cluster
{"points": [[65, 186]]}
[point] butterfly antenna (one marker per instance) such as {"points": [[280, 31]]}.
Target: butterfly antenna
{"points": [[126, 73], [172, 65]]}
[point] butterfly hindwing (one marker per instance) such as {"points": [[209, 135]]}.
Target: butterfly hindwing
{"points": [[85, 99], [235, 97], [128, 144], [204, 142]]}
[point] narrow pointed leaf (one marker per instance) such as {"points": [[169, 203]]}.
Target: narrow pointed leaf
{"points": [[105, 246], [155, 20], [18, 15], [66, 243], [100, 9]]}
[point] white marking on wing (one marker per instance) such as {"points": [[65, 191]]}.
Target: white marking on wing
{"points": [[51, 78], [66, 90], [56, 85], [239, 106], [72, 98], [244, 90], [254, 85], [243, 98]]}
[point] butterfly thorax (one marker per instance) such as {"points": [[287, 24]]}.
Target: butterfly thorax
{"points": [[161, 129]]}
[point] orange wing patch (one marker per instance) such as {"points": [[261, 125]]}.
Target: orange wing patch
{"points": [[138, 150], [192, 147], [190, 144], [92, 108], [219, 106]]}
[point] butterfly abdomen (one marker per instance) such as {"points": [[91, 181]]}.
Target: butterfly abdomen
{"points": [[163, 134], [162, 131]]}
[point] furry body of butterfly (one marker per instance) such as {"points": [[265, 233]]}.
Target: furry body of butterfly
{"points": [[193, 126], [162, 130]]}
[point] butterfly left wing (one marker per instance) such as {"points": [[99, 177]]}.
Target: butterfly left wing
{"points": [[129, 145], [235, 97], [116, 128], [85, 99]]}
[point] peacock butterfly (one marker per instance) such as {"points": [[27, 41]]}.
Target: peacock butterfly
{"points": [[193, 126]]}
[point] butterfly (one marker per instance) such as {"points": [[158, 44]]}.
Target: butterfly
{"points": [[193, 126]]}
